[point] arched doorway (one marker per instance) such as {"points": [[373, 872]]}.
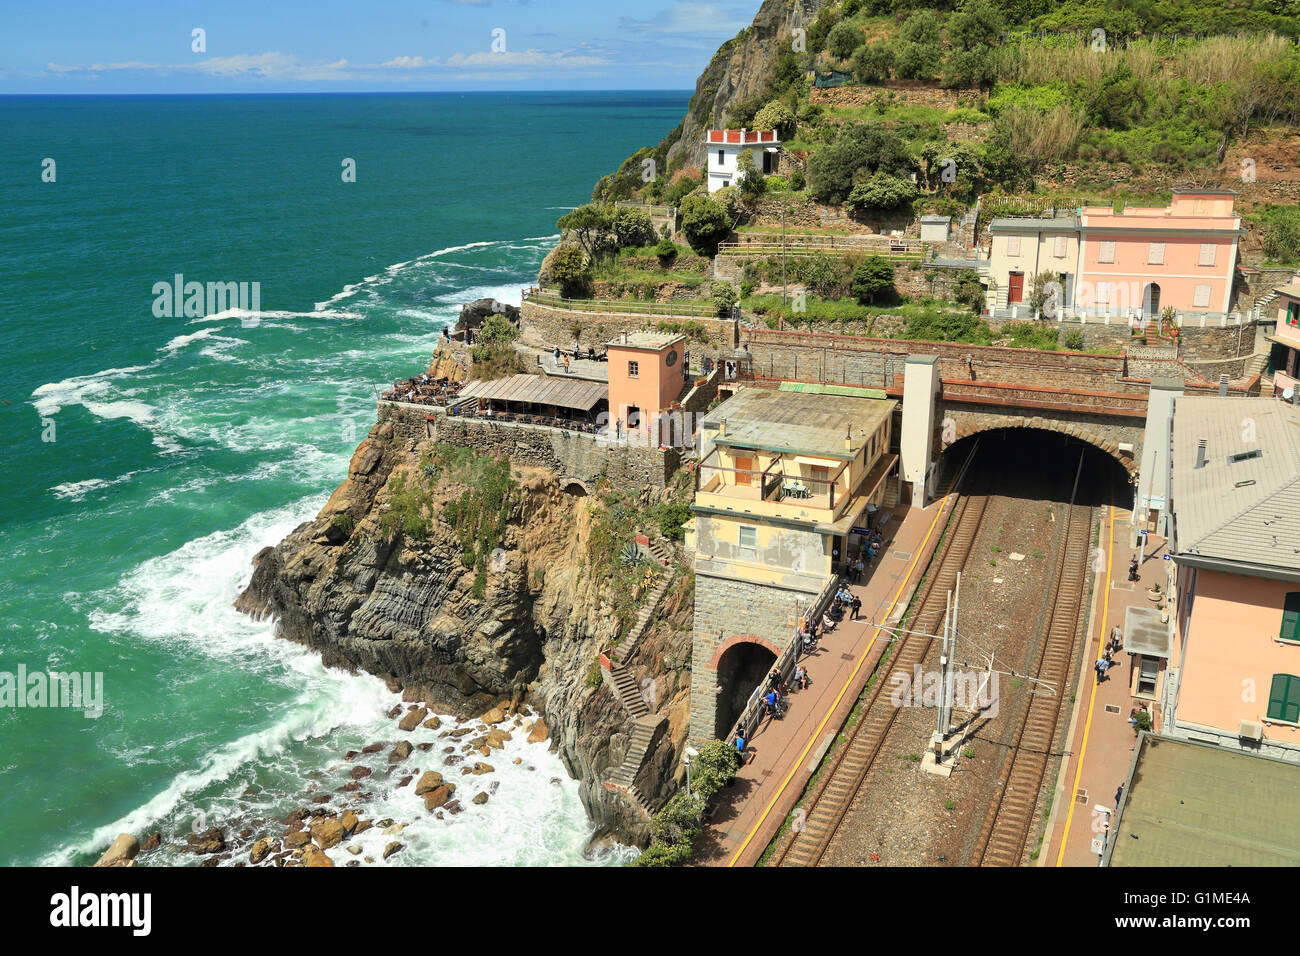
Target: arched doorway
{"points": [[1151, 300], [742, 667]]}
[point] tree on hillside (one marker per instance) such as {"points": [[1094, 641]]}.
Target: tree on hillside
{"points": [[857, 152], [921, 27], [632, 227], [881, 193], [917, 55], [775, 115], [1045, 295], [975, 67], [843, 39], [976, 24], [724, 298], [751, 181], [874, 277], [704, 222], [570, 266], [590, 225], [872, 62]]}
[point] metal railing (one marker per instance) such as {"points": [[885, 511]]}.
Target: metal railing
{"points": [[750, 717]]}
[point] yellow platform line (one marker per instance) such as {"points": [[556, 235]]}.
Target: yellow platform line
{"points": [[816, 735], [1092, 698]]}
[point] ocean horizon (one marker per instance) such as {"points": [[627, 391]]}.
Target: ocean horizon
{"points": [[152, 455]]}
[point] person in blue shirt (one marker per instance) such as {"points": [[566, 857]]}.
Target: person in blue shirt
{"points": [[740, 747], [770, 699]]}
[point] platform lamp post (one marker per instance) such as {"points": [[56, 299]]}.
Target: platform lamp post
{"points": [[691, 754]]}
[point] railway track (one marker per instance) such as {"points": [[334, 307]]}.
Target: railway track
{"points": [[1006, 827], [852, 760]]}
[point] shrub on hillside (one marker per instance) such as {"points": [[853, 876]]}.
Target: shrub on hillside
{"points": [[570, 268], [871, 279], [857, 152], [632, 228], [724, 298], [872, 62], [843, 39], [880, 193], [776, 115], [705, 223], [666, 252]]}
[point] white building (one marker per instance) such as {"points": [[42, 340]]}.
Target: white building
{"points": [[725, 147]]}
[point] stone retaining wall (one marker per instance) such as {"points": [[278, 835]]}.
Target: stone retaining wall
{"points": [[550, 326], [903, 95], [569, 454]]}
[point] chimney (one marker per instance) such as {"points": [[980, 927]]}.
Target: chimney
{"points": [[722, 427], [1223, 386], [625, 336], [1200, 453], [848, 438]]}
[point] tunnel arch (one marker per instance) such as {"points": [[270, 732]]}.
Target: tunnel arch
{"points": [[741, 664], [575, 486], [1074, 430]]}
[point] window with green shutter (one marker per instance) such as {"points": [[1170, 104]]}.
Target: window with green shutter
{"points": [[1291, 618], [1284, 698]]}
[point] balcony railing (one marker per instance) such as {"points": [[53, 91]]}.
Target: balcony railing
{"points": [[773, 485]]}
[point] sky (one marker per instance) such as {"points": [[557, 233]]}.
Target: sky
{"points": [[278, 46]]}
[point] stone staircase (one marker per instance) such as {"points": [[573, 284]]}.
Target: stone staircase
{"points": [[622, 779], [1259, 363]]}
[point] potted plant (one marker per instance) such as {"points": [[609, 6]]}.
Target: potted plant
{"points": [[1153, 592]]}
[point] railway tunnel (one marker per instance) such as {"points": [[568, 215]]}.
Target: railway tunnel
{"points": [[1037, 464]]}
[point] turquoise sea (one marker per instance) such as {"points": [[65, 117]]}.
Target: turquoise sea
{"points": [[146, 459]]}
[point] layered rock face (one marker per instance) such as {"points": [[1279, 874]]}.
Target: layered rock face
{"points": [[405, 608], [740, 70]]}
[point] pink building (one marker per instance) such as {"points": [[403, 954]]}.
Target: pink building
{"points": [[1144, 259], [1233, 675], [647, 374], [1284, 357]]}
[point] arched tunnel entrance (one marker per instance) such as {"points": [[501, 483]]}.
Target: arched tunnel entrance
{"points": [[1035, 463], [741, 668]]}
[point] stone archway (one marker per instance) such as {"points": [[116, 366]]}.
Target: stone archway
{"points": [[575, 486], [967, 428], [741, 664]]}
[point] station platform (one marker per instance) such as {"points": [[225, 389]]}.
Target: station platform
{"points": [[784, 754], [1101, 739]]}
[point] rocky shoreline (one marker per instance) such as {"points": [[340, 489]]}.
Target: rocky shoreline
{"points": [[336, 819]]}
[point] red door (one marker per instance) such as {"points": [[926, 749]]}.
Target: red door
{"points": [[1015, 288]]}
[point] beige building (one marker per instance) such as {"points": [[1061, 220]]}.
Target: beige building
{"points": [[786, 481], [1021, 249], [1234, 666]]}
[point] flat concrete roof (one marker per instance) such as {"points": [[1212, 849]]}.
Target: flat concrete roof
{"points": [[1190, 804], [645, 340], [798, 423]]}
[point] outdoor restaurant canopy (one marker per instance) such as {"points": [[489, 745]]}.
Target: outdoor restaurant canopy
{"points": [[557, 392]]}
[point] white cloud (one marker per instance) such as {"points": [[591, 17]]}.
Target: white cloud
{"points": [[690, 21]]}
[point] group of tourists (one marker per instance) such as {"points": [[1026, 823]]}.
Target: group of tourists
{"points": [[575, 350], [423, 390]]}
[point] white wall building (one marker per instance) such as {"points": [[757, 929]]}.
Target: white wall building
{"points": [[725, 147]]}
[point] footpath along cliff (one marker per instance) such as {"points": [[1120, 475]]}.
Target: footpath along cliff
{"points": [[464, 581]]}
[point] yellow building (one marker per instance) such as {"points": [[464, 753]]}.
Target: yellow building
{"points": [[784, 479]]}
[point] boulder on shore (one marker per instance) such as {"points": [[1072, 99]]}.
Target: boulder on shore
{"points": [[121, 853], [538, 733], [474, 314]]}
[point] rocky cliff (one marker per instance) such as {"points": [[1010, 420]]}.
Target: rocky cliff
{"points": [[389, 579], [740, 71]]}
